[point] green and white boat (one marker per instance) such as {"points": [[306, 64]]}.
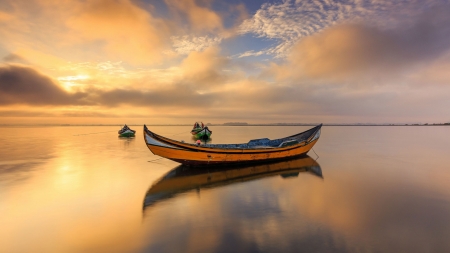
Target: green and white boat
{"points": [[200, 131], [126, 132]]}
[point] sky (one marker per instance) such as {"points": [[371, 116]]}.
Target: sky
{"points": [[181, 61]]}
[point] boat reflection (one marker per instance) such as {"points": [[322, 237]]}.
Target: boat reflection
{"points": [[182, 178]]}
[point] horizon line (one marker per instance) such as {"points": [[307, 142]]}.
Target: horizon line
{"points": [[246, 124]]}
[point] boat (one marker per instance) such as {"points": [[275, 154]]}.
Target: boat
{"points": [[126, 132], [200, 131], [258, 150], [183, 179]]}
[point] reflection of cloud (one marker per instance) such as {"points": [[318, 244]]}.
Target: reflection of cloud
{"points": [[391, 211], [360, 205]]}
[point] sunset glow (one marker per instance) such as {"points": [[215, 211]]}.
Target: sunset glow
{"points": [[177, 61]]}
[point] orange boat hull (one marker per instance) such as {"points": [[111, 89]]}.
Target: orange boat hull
{"points": [[189, 157], [190, 154]]}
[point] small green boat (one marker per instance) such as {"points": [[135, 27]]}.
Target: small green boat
{"points": [[200, 131], [126, 132]]}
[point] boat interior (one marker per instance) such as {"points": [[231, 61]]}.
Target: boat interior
{"points": [[306, 136]]}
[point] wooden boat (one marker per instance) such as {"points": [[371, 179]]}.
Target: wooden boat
{"points": [[183, 179], [126, 132], [200, 131], [259, 150]]}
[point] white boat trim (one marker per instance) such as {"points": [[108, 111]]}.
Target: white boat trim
{"points": [[154, 142]]}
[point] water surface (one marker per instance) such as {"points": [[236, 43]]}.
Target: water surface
{"points": [[83, 189]]}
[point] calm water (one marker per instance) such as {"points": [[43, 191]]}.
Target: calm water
{"points": [[83, 189]]}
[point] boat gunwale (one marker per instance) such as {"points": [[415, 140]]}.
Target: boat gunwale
{"points": [[236, 151]]}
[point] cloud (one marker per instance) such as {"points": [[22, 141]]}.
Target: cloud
{"points": [[128, 32], [119, 30], [200, 17], [202, 85], [46, 113], [346, 50], [204, 69], [185, 44], [435, 73], [205, 26], [201, 72], [197, 82], [5, 17], [315, 80], [250, 53], [14, 58], [190, 85], [175, 97], [288, 21], [23, 85], [39, 59], [230, 98], [356, 52], [86, 30]]}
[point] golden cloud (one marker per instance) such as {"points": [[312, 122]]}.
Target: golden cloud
{"points": [[5, 17], [342, 52], [128, 32], [204, 68], [361, 53]]}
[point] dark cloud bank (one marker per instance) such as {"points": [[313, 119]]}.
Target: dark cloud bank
{"points": [[24, 85]]}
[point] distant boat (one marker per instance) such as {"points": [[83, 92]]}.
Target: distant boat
{"points": [[183, 179], [259, 150], [200, 131], [126, 132]]}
